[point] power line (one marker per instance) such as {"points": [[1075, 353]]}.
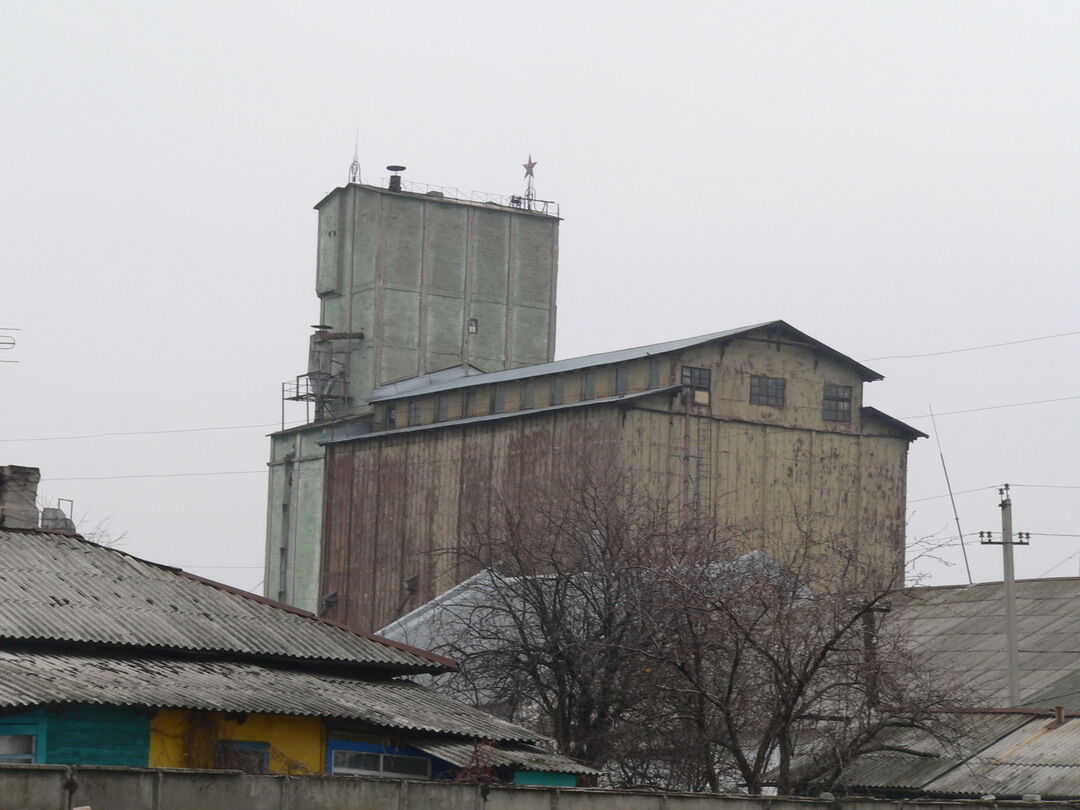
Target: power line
{"points": [[991, 407], [971, 348], [155, 475], [142, 432], [946, 495]]}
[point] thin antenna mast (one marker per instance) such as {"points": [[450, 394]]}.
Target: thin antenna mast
{"points": [[952, 498], [354, 168]]}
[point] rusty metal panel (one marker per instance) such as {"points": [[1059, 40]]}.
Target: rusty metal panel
{"points": [[62, 588]]}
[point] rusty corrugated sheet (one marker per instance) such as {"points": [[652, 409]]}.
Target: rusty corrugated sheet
{"points": [[30, 678], [1038, 758], [65, 589], [466, 754]]}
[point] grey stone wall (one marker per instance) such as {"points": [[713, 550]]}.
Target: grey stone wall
{"points": [[45, 787]]}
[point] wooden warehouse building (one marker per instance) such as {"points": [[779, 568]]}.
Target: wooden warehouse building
{"points": [[761, 427]]}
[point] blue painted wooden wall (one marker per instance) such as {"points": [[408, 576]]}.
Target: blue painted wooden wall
{"points": [[85, 735]]}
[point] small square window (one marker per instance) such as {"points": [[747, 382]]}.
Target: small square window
{"points": [[654, 372], [528, 395], [414, 412], [558, 392], [767, 391], [700, 379], [588, 385], [17, 747], [442, 408], [622, 380], [836, 405]]}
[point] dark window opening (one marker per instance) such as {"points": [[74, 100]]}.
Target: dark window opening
{"points": [[442, 408], [700, 379], [391, 416], [237, 755], [588, 385], [767, 391], [836, 406], [558, 393], [498, 399], [414, 412], [528, 395], [654, 373], [622, 379]]}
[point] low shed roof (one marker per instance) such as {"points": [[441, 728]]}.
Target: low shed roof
{"points": [[64, 589], [33, 678]]}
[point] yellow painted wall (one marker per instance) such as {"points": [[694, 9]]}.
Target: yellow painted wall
{"points": [[186, 739]]}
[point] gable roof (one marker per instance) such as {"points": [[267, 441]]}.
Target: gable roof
{"points": [[464, 378], [71, 592]]}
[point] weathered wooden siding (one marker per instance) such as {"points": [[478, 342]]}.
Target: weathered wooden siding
{"points": [[405, 503]]}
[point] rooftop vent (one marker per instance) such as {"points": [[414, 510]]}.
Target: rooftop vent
{"points": [[395, 177]]}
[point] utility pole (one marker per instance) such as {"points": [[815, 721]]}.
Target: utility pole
{"points": [[1007, 543]]}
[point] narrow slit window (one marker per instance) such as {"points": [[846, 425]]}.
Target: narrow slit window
{"points": [[414, 412], [391, 416], [558, 392], [836, 406], [588, 385], [622, 379], [767, 391], [528, 395], [498, 399], [654, 372], [442, 408]]}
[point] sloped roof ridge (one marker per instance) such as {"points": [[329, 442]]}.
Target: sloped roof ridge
{"points": [[73, 540], [424, 383]]}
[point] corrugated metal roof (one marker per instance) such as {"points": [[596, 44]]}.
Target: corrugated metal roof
{"points": [[527, 757], [31, 678], [65, 589], [426, 385], [1034, 758], [962, 629], [929, 757]]}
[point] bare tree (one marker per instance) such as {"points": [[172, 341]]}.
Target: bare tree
{"points": [[793, 657], [658, 650]]}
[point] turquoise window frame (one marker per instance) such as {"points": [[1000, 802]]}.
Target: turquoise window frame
{"points": [[33, 724]]}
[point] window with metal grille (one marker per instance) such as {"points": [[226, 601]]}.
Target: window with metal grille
{"points": [[414, 412], [528, 395], [767, 391], [836, 405], [654, 373], [558, 390], [442, 408], [588, 385], [241, 755], [622, 379], [699, 379], [391, 416]]}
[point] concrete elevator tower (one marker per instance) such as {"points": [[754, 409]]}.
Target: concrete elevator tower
{"points": [[409, 282]]}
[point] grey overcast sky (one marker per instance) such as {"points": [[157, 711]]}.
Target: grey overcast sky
{"points": [[895, 178]]}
